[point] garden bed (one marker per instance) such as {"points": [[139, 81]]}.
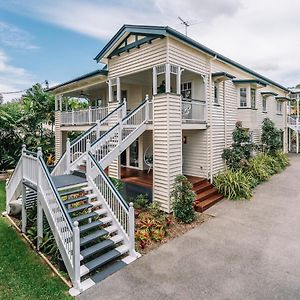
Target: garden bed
{"points": [[154, 228]]}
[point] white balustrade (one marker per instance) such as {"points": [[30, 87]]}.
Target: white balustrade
{"points": [[119, 133], [193, 111], [83, 116], [113, 201]]}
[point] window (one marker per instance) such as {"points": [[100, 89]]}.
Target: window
{"points": [[186, 90], [279, 107], [216, 93], [253, 98], [264, 104], [243, 97]]}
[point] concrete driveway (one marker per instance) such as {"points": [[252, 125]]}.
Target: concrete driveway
{"points": [[249, 250]]}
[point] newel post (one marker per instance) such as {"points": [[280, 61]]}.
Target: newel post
{"points": [[97, 129], [24, 213], [76, 257], [124, 108], [131, 231], [39, 201], [90, 115], [68, 155], [147, 108], [88, 162]]}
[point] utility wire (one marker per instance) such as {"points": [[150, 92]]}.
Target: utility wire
{"points": [[21, 91]]}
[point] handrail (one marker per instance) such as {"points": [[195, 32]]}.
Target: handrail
{"points": [[54, 190], [193, 100], [133, 111], [108, 181], [117, 124], [101, 122]]}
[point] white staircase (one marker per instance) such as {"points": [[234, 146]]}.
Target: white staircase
{"points": [[92, 224], [293, 123]]}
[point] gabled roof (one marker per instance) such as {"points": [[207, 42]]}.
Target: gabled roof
{"points": [[168, 31], [82, 77]]}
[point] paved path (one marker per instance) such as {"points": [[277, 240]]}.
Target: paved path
{"points": [[249, 250]]}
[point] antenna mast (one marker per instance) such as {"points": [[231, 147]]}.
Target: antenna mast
{"points": [[185, 23]]}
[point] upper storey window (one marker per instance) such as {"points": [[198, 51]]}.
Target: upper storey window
{"points": [[253, 98], [243, 97], [216, 93], [279, 107], [264, 104], [186, 90]]}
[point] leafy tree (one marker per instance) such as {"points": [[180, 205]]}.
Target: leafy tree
{"points": [[241, 148], [183, 200], [271, 137], [24, 121]]}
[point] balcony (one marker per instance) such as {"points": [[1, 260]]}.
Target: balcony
{"points": [[193, 113], [83, 117]]}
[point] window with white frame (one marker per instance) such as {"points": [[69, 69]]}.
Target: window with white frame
{"points": [[253, 98], [279, 107], [264, 104], [186, 90], [216, 93], [243, 97]]}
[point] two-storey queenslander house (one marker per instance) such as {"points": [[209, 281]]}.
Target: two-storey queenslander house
{"points": [[195, 98], [163, 105]]}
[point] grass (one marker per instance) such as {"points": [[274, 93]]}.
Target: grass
{"points": [[23, 275]]}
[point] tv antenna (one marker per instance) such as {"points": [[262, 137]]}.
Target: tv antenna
{"points": [[185, 23]]}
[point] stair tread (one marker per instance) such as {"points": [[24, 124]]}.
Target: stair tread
{"points": [[96, 248], [79, 208], [111, 269], [74, 200], [70, 192], [89, 238], [202, 206], [102, 260], [201, 186], [206, 193], [91, 225], [85, 216]]}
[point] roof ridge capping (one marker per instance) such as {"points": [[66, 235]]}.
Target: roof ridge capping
{"points": [[167, 30]]}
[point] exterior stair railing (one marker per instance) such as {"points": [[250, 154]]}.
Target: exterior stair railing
{"points": [[77, 148], [32, 169]]}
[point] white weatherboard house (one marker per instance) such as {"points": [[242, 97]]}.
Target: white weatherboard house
{"points": [[163, 105]]}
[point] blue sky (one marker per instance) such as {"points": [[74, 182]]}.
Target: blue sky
{"points": [[58, 39]]}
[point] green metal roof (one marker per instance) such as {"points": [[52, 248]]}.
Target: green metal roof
{"points": [[168, 31], [222, 74], [250, 81], [85, 76]]}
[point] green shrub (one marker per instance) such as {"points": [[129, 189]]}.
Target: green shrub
{"points": [[183, 200], [234, 185], [271, 137], [259, 169], [119, 185], [282, 159], [241, 148], [141, 201]]}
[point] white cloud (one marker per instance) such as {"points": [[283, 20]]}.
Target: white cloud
{"points": [[12, 78], [259, 34], [15, 37]]}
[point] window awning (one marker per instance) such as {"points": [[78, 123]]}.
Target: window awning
{"points": [[254, 82], [268, 93], [222, 76], [282, 98]]}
